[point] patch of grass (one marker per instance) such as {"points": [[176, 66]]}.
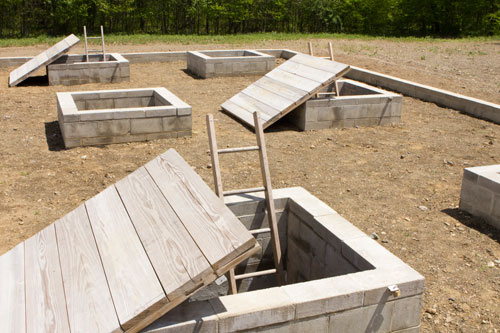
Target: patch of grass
{"points": [[422, 57], [224, 39]]}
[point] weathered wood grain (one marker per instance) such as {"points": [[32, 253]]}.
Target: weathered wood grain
{"points": [[45, 301], [280, 88], [253, 105], [308, 72], [215, 246], [135, 289], [88, 299], [336, 68], [238, 112], [293, 80], [228, 224], [176, 259], [12, 304], [267, 97]]}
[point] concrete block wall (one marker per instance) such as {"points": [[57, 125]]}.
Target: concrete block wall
{"points": [[208, 64], [357, 301], [73, 69], [358, 105], [117, 116], [480, 193]]}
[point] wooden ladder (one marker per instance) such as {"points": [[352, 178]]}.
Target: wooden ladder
{"points": [[102, 50], [267, 188]]}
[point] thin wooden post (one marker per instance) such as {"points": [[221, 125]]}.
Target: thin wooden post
{"points": [[214, 154], [271, 212], [310, 48], [86, 46], [331, 51], [102, 42]]}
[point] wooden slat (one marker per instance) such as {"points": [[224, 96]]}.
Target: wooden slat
{"points": [[214, 156], [280, 88], [214, 245], [89, 304], [238, 111], [226, 221], [135, 289], [12, 306], [253, 105], [336, 68], [267, 97], [293, 79], [308, 72], [45, 301], [176, 258]]}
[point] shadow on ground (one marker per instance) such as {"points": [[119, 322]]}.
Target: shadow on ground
{"points": [[54, 136], [473, 222], [35, 81]]}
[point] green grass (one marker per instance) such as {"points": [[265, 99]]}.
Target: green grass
{"points": [[224, 39]]}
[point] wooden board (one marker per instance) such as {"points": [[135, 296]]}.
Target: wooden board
{"points": [[283, 89], [12, 305], [89, 304], [133, 284], [50, 55], [45, 300], [178, 262], [125, 257]]}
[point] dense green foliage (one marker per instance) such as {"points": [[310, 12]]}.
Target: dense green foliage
{"points": [[449, 18]]}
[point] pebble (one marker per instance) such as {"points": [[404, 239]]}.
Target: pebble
{"points": [[84, 157], [209, 166], [497, 261], [431, 311], [385, 241], [423, 208], [407, 219], [374, 235], [491, 264], [330, 139]]}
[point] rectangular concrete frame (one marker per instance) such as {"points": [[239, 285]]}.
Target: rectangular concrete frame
{"points": [[216, 63], [358, 105], [480, 194], [117, 116], [74, 69], [357, 300]]}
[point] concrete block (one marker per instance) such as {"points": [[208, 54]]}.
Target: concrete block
{"points": [[308, 207], [102, 140], [300, 259], [177, 123], [477, 196], [335, 229], [375, 283], [407, 312], [252, 309], [146, 125], [336, 264], [80, 130], [113, 127], [375, 318], [323, 296], [365, 253]]}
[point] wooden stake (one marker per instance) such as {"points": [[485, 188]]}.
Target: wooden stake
{"points": [[310, 48], [86, 46], [331, 51]]}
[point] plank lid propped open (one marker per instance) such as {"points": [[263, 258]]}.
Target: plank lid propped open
{"points": [[46, 57], [283, 89], [125, 257]]}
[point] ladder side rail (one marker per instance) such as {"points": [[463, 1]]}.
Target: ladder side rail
{"points": [[271, 211], [218, 183]]}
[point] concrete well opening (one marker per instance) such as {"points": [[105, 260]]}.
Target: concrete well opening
{"points": [[338, 278], [358, 104], [74, 69], [215, 63], [126, 115]]}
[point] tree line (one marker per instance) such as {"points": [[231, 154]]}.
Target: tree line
{"points": [[444, 18]]}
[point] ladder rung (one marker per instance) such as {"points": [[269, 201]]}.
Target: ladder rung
{"points": [[236, 150], [94, 37], [253, 274], [95, 51], [245, 190], [260, 231]]}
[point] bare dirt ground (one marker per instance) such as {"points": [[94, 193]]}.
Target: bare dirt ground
{"points": [[376, 177]]}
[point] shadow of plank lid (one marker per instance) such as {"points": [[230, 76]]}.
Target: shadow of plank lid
{"points": [[46, 57]]}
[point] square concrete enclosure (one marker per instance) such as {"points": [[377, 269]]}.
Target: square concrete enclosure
{"points": [[116, 116], [208, 64], [480, 194], [358, 104], [74, 69], [339, 279]]}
